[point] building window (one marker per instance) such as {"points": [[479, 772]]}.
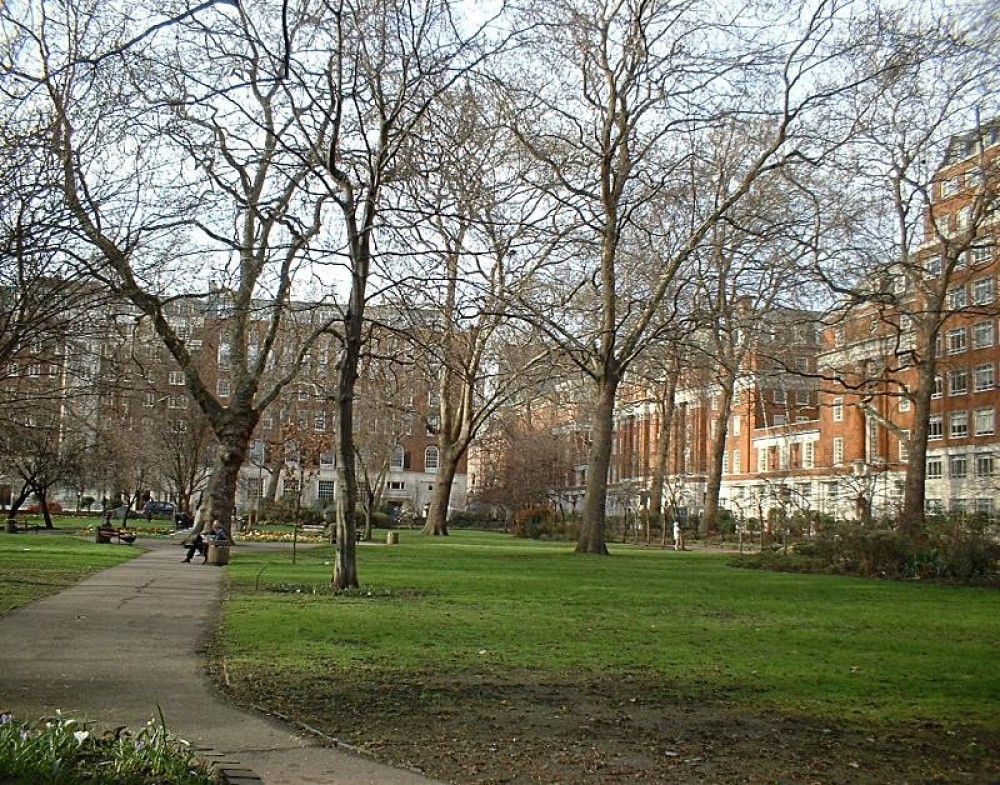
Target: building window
{"points": [[290, 488], [303, 394], [736, 462], [984, 506], [725, 463], [838, 450], [904, 450], [326, 490], [433, 397], [983, 377], [808, 455], [431, 459], [957, 298], [904, 403], [958, 425], [838, 409], [780, 396], [982, 335], [949, 187], [938, 387], [255, 487], [958, 467], [222, 388], [737, 425], [177, 402], [397, 485], [783, 456], [982, 291], [984, 464], [149, 399], [176, 378], [319, 421], [933, 266], [433, 424], [398, 459], [802, 397], [762, 460], [958, 382], [956, 340], [984, 422], [327, 458], [935, 427], [981, 254], [224, 356], [935, 469]]}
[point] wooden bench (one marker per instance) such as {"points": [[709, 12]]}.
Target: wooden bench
{"points": [[14, 526], [106, 535], [359, 534]]}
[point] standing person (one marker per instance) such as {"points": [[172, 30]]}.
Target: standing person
{"points": [[147, 510], [678, 536]]}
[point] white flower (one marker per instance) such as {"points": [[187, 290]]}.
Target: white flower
{"points": [[81, 736]]}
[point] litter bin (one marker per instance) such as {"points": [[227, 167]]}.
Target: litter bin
{"points": [[392, 538], [218, 553]]}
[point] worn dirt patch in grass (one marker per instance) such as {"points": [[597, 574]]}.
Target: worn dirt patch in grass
{"points": [[479, 729]]}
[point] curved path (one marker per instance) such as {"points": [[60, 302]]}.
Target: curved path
{"points": [[126, 643]]}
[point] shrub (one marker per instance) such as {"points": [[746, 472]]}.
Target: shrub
{"points": [[65, 751]]}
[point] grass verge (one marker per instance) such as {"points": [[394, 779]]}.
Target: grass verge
{"points": [[33, 566], [858, 651]]}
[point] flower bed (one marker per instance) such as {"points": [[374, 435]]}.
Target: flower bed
{"points": [[64, 751]]}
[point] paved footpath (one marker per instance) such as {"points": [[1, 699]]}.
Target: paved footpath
{"points": [[126, 643]]}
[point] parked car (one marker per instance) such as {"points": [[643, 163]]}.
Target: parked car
{"points": [[161, 508], [55, 507]]}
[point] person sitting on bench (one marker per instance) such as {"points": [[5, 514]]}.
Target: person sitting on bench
{"points": [[107, 531], [200, 544]]}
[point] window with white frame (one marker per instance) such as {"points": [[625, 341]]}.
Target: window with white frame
{"points": [[326, 490], [176, 378], [725, 463], [303, 394], [933, 265], [808, 455], [957, 340], [984, 422], [935, 468], [984, 464], [802, 397], [761, 460], [177, 402], [958, 425], [736, 462], [433, 397], [783, 456], [950, 187], [430, 459], [938, 387], [957, 298], [319, 421], [838, 450], [982, 334], [935, 427], [327, 458], [904, 403], [958, 466], [981, 254], [780, 396], [958, 382], [838, 409], [398, 459], [779, 419], [984, 506], [737, 425], [903, 444], [983, 377], [224, 355], [982, 291], [149, 399], [222, 388], [397, 485]]}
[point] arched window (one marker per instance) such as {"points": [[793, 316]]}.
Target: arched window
{"points": [[430, 459], [398, 459]]}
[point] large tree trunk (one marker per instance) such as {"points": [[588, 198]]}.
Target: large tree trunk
{"points": [[709, 517], [911, 520], [234, 440], [592, 527], [437, 515], [345, 569], [662, 451]]}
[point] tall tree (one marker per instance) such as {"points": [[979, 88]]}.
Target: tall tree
{"points": [[619, 96]]}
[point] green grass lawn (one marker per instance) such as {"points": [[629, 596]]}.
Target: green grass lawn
{"points": [[33, 566], [822, 646]]}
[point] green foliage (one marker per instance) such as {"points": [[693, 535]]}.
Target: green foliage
{"points": [[949, 551], [478, 603], [86, 502], [64, 751]]}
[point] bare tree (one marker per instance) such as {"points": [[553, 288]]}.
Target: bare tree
{"points": [[623, 97]]}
